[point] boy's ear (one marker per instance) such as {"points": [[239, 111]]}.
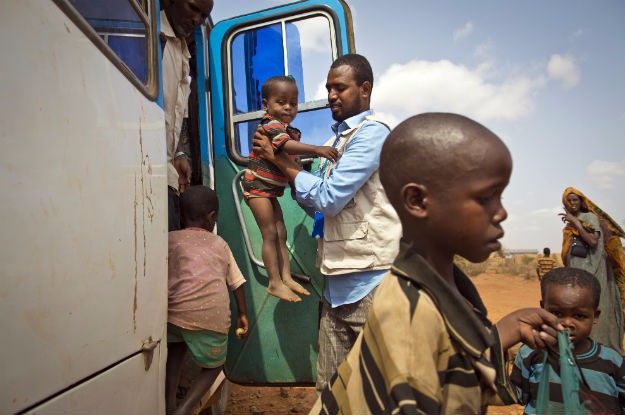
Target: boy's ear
{"points": [[541, 304], [597, 314], [265, 104], [212, 219], [414, 197]]}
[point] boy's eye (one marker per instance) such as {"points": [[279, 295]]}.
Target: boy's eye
{"points": [[580, 316]]}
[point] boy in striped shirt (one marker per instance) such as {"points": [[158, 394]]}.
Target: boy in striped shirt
{"points": [[427, 346], [572, 295], [545, 263]]}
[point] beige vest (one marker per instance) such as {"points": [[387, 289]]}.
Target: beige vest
{"points": [[364, 235]]}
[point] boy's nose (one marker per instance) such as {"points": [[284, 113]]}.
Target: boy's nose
{"points": [[500, 215]]}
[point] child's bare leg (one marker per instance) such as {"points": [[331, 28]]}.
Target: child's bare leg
{"points": [[175, 356], [283, 253], [197, 390], [262, 209]]}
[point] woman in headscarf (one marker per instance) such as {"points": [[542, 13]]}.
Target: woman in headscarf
{"points": [[590, 237]]}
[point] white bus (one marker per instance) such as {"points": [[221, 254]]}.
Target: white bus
{"points": [[83, 293]]}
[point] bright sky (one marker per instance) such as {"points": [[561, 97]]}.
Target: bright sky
{"points": [[547, 77]]}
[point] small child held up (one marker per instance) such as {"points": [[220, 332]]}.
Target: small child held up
{"points": [[572, 295], [201, 269], [263, 183], [427, 345]]}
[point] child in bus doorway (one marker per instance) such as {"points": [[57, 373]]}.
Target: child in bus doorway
{"points": [[201, 269], [263, 183]]}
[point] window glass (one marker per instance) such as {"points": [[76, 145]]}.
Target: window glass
{"points": [[260, 53], [120, 25]]}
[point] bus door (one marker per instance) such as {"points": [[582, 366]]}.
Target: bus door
{"points": [[301, 40]]}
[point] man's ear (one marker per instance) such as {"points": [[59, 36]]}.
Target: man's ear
{"points": [[365, 89], [414, 197]]}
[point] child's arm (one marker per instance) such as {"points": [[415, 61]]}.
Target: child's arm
{"points": [[242, 325], [535, 327], [520, 376], [294, 147]]}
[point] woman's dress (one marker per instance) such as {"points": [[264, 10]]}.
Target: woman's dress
{"points": [[609, 327]]}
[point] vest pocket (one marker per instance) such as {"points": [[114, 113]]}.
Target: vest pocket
{"points": [[346, 231], [346, 246]]}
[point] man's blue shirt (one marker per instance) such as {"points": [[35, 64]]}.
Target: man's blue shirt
{"points": [[359, 161]]}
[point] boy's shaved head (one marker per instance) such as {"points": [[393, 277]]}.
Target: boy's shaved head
{"points": [[433, 149], [444, 174], [196, 202]]}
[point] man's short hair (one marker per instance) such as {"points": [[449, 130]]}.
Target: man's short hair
{"points": [[575, 277], [360, 65]]}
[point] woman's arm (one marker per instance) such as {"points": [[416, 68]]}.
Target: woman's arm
{"points": [[591, 238]]}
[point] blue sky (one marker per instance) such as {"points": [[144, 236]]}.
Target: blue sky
{"points": [[547, 76]]}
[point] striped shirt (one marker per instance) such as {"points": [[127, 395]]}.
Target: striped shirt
{"points": [[544, 265], [425, 349], [262, 178], [602, 368]]}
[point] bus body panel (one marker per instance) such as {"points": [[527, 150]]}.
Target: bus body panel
{"points": [[84, 224], [281, 347], [104, 395]]}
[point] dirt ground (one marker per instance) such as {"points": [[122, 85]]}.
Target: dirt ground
{"points": [[500, 293]]}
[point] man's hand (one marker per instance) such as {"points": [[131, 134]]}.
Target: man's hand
{"points": [[535, 327], [184, 172], [262, 146]]}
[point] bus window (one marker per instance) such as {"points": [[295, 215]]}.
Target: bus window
{"points": [[303, 48], [126, 27]]}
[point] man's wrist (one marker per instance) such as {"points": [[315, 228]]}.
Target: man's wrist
{"points": [[179, 153]]}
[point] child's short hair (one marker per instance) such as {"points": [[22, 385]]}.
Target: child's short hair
{"points": [[197, 202], [576, 277], [546, 251], [269, 83]]}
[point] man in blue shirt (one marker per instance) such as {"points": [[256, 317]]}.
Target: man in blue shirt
{"points": [[361, 229]]}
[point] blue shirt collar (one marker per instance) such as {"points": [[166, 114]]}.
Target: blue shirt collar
{"points": [[351, 122]]}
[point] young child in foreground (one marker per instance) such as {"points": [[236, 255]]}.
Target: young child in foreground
{"points": [[572, 295], [201, 269], [263, 183], [427, 346]]}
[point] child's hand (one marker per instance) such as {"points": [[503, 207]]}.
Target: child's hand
{"points": [[535, 327], [242, 327], [328, 152]]}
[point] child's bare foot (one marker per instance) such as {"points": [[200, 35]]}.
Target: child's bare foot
{"points": [[283, 292], [294, 286]]}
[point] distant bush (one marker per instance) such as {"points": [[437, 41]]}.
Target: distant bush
{"points": [[517, 265]]}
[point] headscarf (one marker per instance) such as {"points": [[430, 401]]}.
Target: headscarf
{"points": [[611, 233]]}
